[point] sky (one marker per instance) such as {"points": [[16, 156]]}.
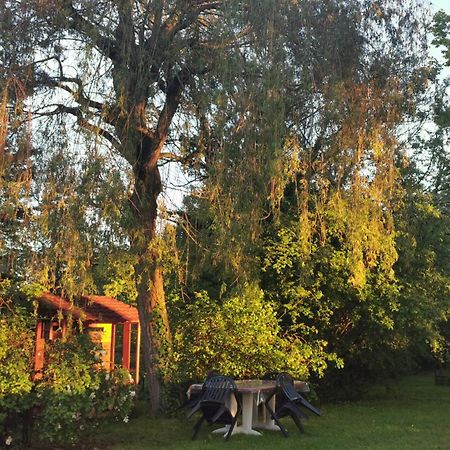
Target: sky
{"points": [[442, 4]]}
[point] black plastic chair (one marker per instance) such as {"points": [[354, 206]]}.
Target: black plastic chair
{"points": [[214, 404], [195, 397], [288, 402]]}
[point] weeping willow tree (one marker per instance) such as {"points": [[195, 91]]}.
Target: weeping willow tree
{"points": [[317, 112], [123, 77], [303, 180], [330, 259], [15, 146]]}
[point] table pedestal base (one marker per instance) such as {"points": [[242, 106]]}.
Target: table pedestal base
{"points": [[238, 429], [247, 418], [261, 417], [267, 426]]}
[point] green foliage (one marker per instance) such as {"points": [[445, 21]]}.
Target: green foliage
{"points": [[331, 275], [77, 226], [240, 336], [441, 31], [114, 275], [16, 351], [72, 396], [423, 271]]}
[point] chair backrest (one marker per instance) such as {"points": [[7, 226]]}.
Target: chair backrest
{"points": [[210, 374], [217, 388], [285, 384], [270, 375]]}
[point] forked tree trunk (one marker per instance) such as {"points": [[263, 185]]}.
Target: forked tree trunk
{"points": [[151, 300]]}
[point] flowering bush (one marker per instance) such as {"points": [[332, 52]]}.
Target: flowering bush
{"points": [[75, 395]]}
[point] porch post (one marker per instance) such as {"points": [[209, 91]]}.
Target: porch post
{"points": [[126, 347], [138, 353], [113, 347], [39, 347]]}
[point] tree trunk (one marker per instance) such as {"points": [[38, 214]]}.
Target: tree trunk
{"points": [[154, 327], [151, 300]]}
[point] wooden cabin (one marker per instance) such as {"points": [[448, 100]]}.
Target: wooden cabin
{"points": [[112, 324]]}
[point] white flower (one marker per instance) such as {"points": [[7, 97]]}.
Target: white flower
{"points": [[58, 426], [8, 440], [107, 377], [132, 394], [38, 395], [125, 419], [92, 396]]}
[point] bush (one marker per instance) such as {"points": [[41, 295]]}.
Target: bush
{"points": [[240, 337], [72, 396], [16, 385]]}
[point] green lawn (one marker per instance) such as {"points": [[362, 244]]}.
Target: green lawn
{"points": [[412, 414]]}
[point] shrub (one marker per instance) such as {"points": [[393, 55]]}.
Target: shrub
{"points": [[16, 385], [72, 396], [240, 337]]}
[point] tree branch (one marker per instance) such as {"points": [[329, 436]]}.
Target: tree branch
{"points": [[77, 22], [99, 132], [178, 158], [83, 122], [173, 97], [180, 22], [108, 113]]}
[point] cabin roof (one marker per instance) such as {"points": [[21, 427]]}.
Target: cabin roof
{"points": [[51, 302], [109, 309], [91, 308]]}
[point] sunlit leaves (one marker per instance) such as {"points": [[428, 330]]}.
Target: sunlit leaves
{"points": [[242, 337]]}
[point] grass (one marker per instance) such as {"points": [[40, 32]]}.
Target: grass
{"points": [[413, 413]]}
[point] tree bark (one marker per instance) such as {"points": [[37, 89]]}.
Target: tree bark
{"points": [[144, 202], [148, 272], [153, 319]]}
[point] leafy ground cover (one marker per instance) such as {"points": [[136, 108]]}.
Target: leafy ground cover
{"points": [[411, 413]]}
